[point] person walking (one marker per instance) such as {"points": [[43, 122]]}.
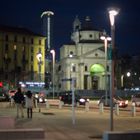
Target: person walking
{"points": [[29, 104], [19, 100]]}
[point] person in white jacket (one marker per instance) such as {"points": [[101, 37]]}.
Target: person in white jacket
{"points": [[29, 104]]}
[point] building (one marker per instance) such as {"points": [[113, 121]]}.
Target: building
{"points": [[18, 53], [83, 59]]}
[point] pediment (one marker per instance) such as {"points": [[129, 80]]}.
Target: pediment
{"points": [[94, 53]]}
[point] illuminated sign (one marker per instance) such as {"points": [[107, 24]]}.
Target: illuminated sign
{"points": [[1, 84], [32, 84]]}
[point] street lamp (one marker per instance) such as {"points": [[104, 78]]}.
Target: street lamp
{"points": [[106, 39], [112, 13], [53, 74], [128, 74], [71, 64], [48, 14], [39, 57]]}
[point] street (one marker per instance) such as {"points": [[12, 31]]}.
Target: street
{"points": [[58, 125]]}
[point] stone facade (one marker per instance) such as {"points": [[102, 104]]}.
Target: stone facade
{"points": [[78, 58]]}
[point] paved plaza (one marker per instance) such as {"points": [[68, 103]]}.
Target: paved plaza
{"points": [[58, 125]]}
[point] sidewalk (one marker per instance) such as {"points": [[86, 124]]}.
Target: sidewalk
{"points": [[57, 123]]}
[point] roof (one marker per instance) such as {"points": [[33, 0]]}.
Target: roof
{"points": [[19, 30], [88, 25]]}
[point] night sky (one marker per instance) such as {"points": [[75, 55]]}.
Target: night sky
{"points": [[26, 13]]}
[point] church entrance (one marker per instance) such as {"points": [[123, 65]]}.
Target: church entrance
{"points": [[94, 81], [96, 72]]}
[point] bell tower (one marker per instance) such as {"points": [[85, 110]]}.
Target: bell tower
{"points": [[76, 29]]}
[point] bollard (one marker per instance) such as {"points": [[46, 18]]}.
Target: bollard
{"points": [[133, 110], [101, 108], [36, 105], [87, 106], [39, 110], [60, 104], [117, 109], [77, 104], [12, 103], [47, 104]]}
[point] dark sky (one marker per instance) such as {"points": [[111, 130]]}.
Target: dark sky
{"points": [[26, 13]]}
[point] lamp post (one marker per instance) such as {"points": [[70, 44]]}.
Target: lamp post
{"points": [[128, 74], [39, 57], [105, 38], [53, 74], [112, 13], [48, 14], [70, 56]]}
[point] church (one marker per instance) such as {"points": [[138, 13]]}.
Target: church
{"points": [[83, 59]]}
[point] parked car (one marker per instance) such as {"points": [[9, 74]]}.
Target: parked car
{"points": [[116, 100], [40, 97], [136, 99], [12, 92], [67, 99], [4, 96]]}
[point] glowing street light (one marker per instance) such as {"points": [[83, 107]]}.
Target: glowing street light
{"points": [[48, 14], [105, 38], [53, 74], [112, 13], [39, 57], [128, 74]]}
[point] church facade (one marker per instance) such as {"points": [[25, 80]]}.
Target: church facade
{"points": [[83, 59]]}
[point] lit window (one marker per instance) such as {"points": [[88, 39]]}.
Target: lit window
{"points": [[15, 47]]}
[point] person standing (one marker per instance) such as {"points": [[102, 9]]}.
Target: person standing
{"points": [[29, 104], [19, 100]]}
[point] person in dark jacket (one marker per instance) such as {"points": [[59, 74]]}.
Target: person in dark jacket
{"points": [[19, 100]]}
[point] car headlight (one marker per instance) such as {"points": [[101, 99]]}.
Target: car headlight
{"points": [[120, 103], [40, 100], [36, 96], [45, 100], [98, 102], [126, 102], [82, 100], [87, 100]]}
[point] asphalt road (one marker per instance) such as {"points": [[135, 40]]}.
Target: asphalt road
{"points": [[58, 123]]}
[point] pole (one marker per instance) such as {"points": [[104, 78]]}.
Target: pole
{"points": [[48, 32], [112, 90], [112, 13], [73, 101], [53, 67], [53, 73], [106, 83]]}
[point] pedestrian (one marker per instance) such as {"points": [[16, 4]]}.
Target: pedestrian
{"points": [[19, 100], [29, 103]]}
